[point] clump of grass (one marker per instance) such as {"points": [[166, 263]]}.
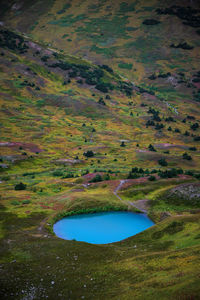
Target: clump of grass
{"points": [[125, 66], [15, 202], [58, 173], [26, 201]]}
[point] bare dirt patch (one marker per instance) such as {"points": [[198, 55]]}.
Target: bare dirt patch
{"points": [[168, 146], [26, 146]]}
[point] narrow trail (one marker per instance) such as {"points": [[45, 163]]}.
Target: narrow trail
{"points": [[42, 224], [91, 138], [133, 204], [118, 188]]}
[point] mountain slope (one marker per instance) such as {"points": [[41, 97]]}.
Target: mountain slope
{"points": [[116, 32], [66, 101], [99, 98]]}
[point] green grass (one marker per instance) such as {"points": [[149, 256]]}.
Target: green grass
{"points": [[125, 66], [107, 52], [142, 261], [159, 263], [110, 27], [68, 20]]}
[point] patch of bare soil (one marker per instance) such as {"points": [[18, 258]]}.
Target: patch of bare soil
{"points": [[167, 146], [67, 161], [26, 146]]}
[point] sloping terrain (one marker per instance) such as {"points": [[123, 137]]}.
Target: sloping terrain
{"points": [[98, 97], [65, 106], [137, 38]]}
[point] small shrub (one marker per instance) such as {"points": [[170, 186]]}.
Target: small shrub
{"points": [[20, 186], [151, 148], [97, 178], [107, 68], [194, 126], [190, 117], [152, 77], [107, 177], [44, 58], [89, 153], [150, 22], [190, 173], [104, 87], [159, 126], [101, 101], [162, 162], [68, 175], [197, 138], [26, 201], [186, 156], [183, 45], [187, 133], [57, 173], [177, 130], [152, 178], [15, 202], [133, 175], [170, 173], [170, 119], [193, 149], [150, 123]]}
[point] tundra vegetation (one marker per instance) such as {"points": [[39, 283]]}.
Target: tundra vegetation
{"points": [[99, 112]]}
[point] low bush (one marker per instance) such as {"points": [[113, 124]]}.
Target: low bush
{"points": [[186, 156], [20, 186], [150, 22], [184, 46], [151, 148], [170, 173], [162, 162], [152, 178], [15, 202], [101, 101], [26, 201], [194, 126], [89, 153], [133, 175], [97, 178], [57, 173]]}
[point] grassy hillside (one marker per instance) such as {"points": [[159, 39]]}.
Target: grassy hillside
{"points": [[57, 107], [117, 33], [93, 93]]}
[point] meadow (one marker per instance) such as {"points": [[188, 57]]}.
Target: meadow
{"points": [[99, 112]]}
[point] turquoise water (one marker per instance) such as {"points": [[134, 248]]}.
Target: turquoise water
{"points": [[101, 228]]}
